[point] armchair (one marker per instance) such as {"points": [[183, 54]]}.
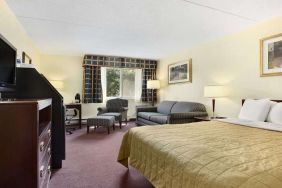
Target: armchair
{"points": [[115, 107]]}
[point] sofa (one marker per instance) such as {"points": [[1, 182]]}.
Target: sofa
{"points": [[169, 112]]}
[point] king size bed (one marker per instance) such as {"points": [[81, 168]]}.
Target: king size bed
{"points": [[225, 153]]}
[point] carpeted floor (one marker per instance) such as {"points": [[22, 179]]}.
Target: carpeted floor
{"points": [[91, 161]]}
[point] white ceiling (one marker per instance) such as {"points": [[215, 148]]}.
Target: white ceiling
{"points": [[137, 28]]}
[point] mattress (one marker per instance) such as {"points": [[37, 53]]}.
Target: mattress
{"points": [[205, 154]]}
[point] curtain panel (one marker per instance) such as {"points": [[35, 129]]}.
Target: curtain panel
{"points": [[92, 86], [148, 74]]}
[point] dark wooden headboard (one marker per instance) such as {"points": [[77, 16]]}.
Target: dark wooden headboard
{"points": [[243, 101]]}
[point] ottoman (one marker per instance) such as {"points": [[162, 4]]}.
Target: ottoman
{"points": [[105, 121], [117, 115]]}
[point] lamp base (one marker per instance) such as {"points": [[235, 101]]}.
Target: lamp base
{"points": [[153, 99]]}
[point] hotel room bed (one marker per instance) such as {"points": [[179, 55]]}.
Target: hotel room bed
{"points": [[205, 154]]}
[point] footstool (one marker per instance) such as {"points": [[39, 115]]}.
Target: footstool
{"points": [[117, 115], [105, 121]]}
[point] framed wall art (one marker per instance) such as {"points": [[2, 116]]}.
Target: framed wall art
{"points": [[180, 72], [271, 56]]}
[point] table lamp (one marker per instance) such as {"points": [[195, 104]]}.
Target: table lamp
{"points": [[153, 84], [215, 91]]}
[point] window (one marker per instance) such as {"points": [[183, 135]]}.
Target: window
{"points": [[124, 83], [113, 82], [128, 82]]}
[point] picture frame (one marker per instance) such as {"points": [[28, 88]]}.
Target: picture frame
{"points": [[180, 72], [271, 56]]}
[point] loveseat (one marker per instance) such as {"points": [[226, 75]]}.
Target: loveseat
{"points": [[170, 112]]}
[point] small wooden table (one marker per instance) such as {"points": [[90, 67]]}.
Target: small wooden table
{"points": [[78, 107], [208, 118]]}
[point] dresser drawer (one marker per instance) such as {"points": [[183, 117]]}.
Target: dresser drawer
{"points": [[43, 156], [44, 142], [46, 180], [44, 170]]}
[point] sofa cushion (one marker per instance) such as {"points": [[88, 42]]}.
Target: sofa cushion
{"points": [[141, 121], [183, 107], [165, 107], [147, 115], [159, 119]]}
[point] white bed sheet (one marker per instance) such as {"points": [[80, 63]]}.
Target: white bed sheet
{"points": [[256, 124]]}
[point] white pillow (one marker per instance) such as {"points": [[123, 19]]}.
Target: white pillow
{"points": [[275, 114], [255, 110]]}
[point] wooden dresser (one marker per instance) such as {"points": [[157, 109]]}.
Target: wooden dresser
{"points": [[25, 143]]}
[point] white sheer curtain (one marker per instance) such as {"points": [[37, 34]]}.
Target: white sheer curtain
{"points": [[138, 85], [104, 82]]}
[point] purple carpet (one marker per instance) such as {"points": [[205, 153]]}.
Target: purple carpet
{"points": [[91, 161]]}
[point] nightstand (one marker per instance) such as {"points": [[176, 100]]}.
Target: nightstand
{"points": [[207, 118]]}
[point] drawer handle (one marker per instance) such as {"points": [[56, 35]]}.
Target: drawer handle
{"points": [[49, 132], [41, 172], [49, 169], [49, 151], [41, 147]]}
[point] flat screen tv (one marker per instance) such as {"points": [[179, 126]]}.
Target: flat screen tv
{"points": [[8, 56]]}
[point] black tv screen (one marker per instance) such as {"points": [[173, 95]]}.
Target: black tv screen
{"points": [[8, 55]]}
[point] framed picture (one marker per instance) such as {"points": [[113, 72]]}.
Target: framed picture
{"points": [[271, 56], [180, 72]]}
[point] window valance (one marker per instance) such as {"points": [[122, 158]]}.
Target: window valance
{"points": [[119, 62]]}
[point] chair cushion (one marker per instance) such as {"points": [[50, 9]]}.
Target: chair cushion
{"points": [[165, 107], [147, 115], [183, 107], [159, 119], [115, 114], [118, 116]]}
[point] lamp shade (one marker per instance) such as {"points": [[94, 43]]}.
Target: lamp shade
{"points": [[214, 91], [57, 84], [153, 84]]}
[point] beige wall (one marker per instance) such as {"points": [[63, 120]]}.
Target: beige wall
{"points": [[68, 70], [12, 30], [232, 61]]}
